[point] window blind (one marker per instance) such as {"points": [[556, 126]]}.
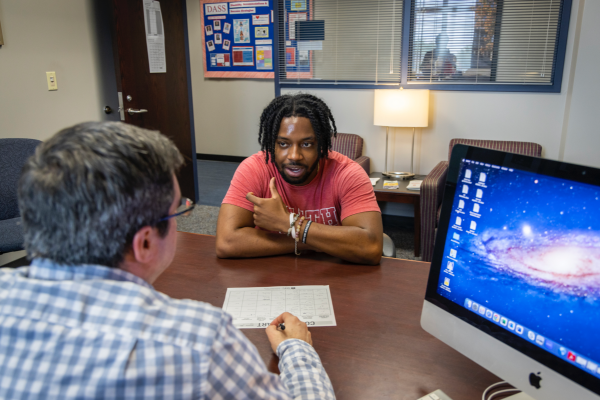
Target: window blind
{"points": [[340, 42], [484, 41]]}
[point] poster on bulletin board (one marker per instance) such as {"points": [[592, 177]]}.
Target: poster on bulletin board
{"points": [[237, 38]]}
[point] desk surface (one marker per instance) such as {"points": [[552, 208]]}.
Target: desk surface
{"points": [[377, 351]]}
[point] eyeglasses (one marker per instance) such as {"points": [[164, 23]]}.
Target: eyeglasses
{"points": [[184, 209]]}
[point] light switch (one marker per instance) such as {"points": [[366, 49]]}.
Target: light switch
{"points": [[51, 77]]}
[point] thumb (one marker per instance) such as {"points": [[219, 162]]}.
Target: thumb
{"points": [[252, 198], [274, 192]]}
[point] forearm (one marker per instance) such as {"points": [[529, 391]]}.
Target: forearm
{"points": [[350, 243], [302, 371], [249, 242]]}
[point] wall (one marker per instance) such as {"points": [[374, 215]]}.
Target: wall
{"points": [[535, 117], [581, 125], [226, 111], [70, 37], [60, 36]]}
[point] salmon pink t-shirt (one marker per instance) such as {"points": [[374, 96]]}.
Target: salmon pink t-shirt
{"points": [[341, 188]]}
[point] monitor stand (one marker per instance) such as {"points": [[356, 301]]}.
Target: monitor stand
{"points": [[520, 396]]}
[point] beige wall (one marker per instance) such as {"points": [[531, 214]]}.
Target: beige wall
{"points": [[563, 123], [226, 111], [535, 117], [582, 120], [62, 36]]}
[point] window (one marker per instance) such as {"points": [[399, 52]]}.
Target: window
{"points": [[508, 45]]}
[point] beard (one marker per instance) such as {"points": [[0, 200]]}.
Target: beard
{"points": [[293, 180]]}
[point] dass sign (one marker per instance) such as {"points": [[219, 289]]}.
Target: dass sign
{"points": [[215, 8]]}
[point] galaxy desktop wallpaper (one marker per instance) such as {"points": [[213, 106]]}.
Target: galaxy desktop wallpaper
{"points": [[527, 246]]}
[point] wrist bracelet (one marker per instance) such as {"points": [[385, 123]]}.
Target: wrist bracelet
{"points": [[293, 219], [305, 231]]}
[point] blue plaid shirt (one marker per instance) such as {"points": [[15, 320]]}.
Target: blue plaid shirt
{"points": [[95, 332]]}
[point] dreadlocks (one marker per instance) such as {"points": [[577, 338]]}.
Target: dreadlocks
{"points": [[299, 105]]}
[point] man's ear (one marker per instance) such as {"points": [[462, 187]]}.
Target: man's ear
{"points": [[144, 246]]}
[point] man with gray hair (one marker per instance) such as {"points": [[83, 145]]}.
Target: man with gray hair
{"points": [[98, 202]]}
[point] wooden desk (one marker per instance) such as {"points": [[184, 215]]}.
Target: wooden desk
{"points": [[377, 351], [401, 195]]}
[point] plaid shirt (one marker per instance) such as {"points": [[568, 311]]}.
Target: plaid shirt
{"points": [[95, 332]]}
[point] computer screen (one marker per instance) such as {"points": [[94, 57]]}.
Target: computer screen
{"points": [[518, 252]]}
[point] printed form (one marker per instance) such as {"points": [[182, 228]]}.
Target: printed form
{"points": [[257, 307]]}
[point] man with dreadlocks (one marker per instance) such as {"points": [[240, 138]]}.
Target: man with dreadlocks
{"points": [[300, 193]]}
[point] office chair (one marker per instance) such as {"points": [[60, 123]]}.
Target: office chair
{"points": [[13, 154]]}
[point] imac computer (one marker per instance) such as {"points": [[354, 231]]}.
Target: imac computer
{"points": [[515, 277]]}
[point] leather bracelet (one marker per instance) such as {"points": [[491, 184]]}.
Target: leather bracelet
{"points": [[305, 231]]}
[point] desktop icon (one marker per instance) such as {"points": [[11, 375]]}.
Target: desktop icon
{"points": [[447, 281], [549, 344], [473, 225], [496, 317], [479, 193], [531, 335], [503, 321], [571, 356], [461, 204], [468, 174], [562, 351], [450, 266], [465, 189], [469, 303], [458, 221], [455, 236], [592, 366], [481, 310], [489, 313], [475, 207], [539, 339], [482, 177], [453, 253], [475, 307], [581, 361], [511, 325], [519, 329]]}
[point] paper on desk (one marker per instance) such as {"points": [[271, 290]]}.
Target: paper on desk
{"points": [[155, 36], [256, 307], [374, 181]]}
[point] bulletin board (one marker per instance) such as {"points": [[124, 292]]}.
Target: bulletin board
{"points": [[238, 38]]}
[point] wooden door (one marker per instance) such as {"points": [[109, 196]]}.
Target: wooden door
{"points": [[166, 96]]}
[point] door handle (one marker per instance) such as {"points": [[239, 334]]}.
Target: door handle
{"points": [[132, 111]]}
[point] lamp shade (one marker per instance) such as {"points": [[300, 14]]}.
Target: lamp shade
{"points": [[401, 108]]}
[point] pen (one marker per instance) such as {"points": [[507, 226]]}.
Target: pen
{"points": [[281, 326]]}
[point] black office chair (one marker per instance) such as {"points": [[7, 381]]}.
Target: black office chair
{"points": [[13, 154]]}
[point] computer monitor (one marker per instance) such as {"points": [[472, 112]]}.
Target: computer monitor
{"points": [[515, 277]]}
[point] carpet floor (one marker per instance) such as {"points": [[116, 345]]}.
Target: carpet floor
{"points": [[214, 178]]}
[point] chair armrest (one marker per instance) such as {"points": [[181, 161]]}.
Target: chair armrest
{"points": [[433, 184], [432, 190], [364, 162]]}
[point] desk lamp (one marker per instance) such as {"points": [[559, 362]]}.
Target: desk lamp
{"points": [[401, 108]]}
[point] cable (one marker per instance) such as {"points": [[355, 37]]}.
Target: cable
{"points": [[495, 385], [488, 395]]}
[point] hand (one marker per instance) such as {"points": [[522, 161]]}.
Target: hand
{"points": [[270, 214], [294, 329]]}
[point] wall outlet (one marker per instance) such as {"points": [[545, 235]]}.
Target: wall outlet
{"points": [[51, 78]]}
